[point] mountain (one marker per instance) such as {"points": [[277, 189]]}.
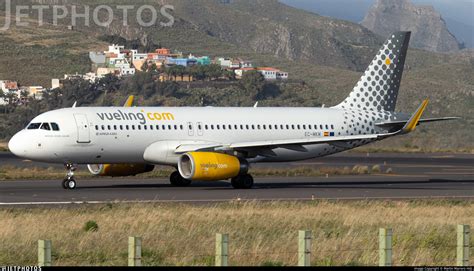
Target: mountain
{"points": [[457, 14], [429, 30]]}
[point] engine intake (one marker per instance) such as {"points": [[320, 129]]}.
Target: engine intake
{"points": [[119, 170], [210, 166]]}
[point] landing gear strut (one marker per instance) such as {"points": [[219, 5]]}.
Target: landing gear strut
{"points": [[69, 182], [177, 180], [242, 182]]}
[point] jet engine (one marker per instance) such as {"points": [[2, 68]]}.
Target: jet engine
{"points": [[210, 166], [119, 170]]}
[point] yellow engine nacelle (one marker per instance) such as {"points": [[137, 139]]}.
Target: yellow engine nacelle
{"points": [[210, 166], [119, 170]]}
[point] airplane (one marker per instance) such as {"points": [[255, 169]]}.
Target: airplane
{"points": [[215, 144]]}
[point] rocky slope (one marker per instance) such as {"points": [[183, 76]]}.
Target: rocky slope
{"points": [[429, 29]]}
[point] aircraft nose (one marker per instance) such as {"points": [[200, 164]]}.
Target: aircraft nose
{"points": [[15, 145]]}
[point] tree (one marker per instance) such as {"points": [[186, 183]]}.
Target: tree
{"points": [[229, 74], [24, 96], [253, 82], [144, 67], [213, 71]]}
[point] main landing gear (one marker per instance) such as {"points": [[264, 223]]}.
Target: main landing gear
{"points": [[242, 182], [69, 182], [177, 180], [239, 182]]}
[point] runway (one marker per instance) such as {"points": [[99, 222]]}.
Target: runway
{"points": [[414, 176]]}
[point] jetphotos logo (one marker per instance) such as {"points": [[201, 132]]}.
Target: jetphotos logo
{"points": [[89, 16]]}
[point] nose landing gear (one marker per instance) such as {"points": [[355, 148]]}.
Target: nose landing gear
{"points": [[69, 182]]}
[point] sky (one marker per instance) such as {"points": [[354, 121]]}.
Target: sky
{"points": [[458, 14]]}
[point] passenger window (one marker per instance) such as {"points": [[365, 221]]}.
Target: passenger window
{"points": [[163, 127], [299, 127], [181, 127], [157, 127], [127, 127], [212, 127], [54, 126], [133, 127], [253, 127], [97, 127], [218, 127], [34, 126], [145, 127], [287, 127], [327, 127], [292, 126], [258, 127], [169, 127], [176, 127], [332, 126], [121, 127], [45, 126], [321, 126], [236, 127], [223, 127], [115, 127], [206, 127], [151, 127]]}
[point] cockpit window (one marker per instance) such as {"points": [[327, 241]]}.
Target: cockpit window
{"points": [[45, 126], [33, 126], [55, 126]]}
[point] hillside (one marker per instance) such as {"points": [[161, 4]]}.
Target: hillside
{"points": [[316, 52]]}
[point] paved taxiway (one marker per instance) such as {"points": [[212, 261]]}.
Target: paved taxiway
{"points": [[415, 176]]}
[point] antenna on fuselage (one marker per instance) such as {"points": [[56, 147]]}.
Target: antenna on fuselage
{"points": [[74, 105], [256, 105]]}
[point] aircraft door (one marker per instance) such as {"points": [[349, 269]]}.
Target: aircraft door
{"points": [[83, 132], [190, 129]]}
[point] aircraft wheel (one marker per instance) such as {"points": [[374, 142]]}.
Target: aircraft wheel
{"points": [[65, 183], [69, 183], [177, 180], [243, 182]]}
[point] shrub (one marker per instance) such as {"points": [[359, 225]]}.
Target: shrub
{"points": [[91, 225]]}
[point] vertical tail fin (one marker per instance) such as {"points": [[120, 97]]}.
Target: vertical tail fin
{"points": [[377, 89]]}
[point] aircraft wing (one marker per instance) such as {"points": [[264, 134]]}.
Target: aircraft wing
{"points": [[276, 143]]}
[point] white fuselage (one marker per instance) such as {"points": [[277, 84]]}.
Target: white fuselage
{"points": [[112, 135]]}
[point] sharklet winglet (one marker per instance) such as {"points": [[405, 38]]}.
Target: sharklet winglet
{"points": [[129, 101], [410, 126]]}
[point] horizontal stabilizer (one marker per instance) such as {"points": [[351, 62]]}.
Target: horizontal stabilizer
{"points": [[402, 123]]}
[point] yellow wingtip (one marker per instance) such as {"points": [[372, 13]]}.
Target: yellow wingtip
{"points": [[129, 101], [413, 122]]}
